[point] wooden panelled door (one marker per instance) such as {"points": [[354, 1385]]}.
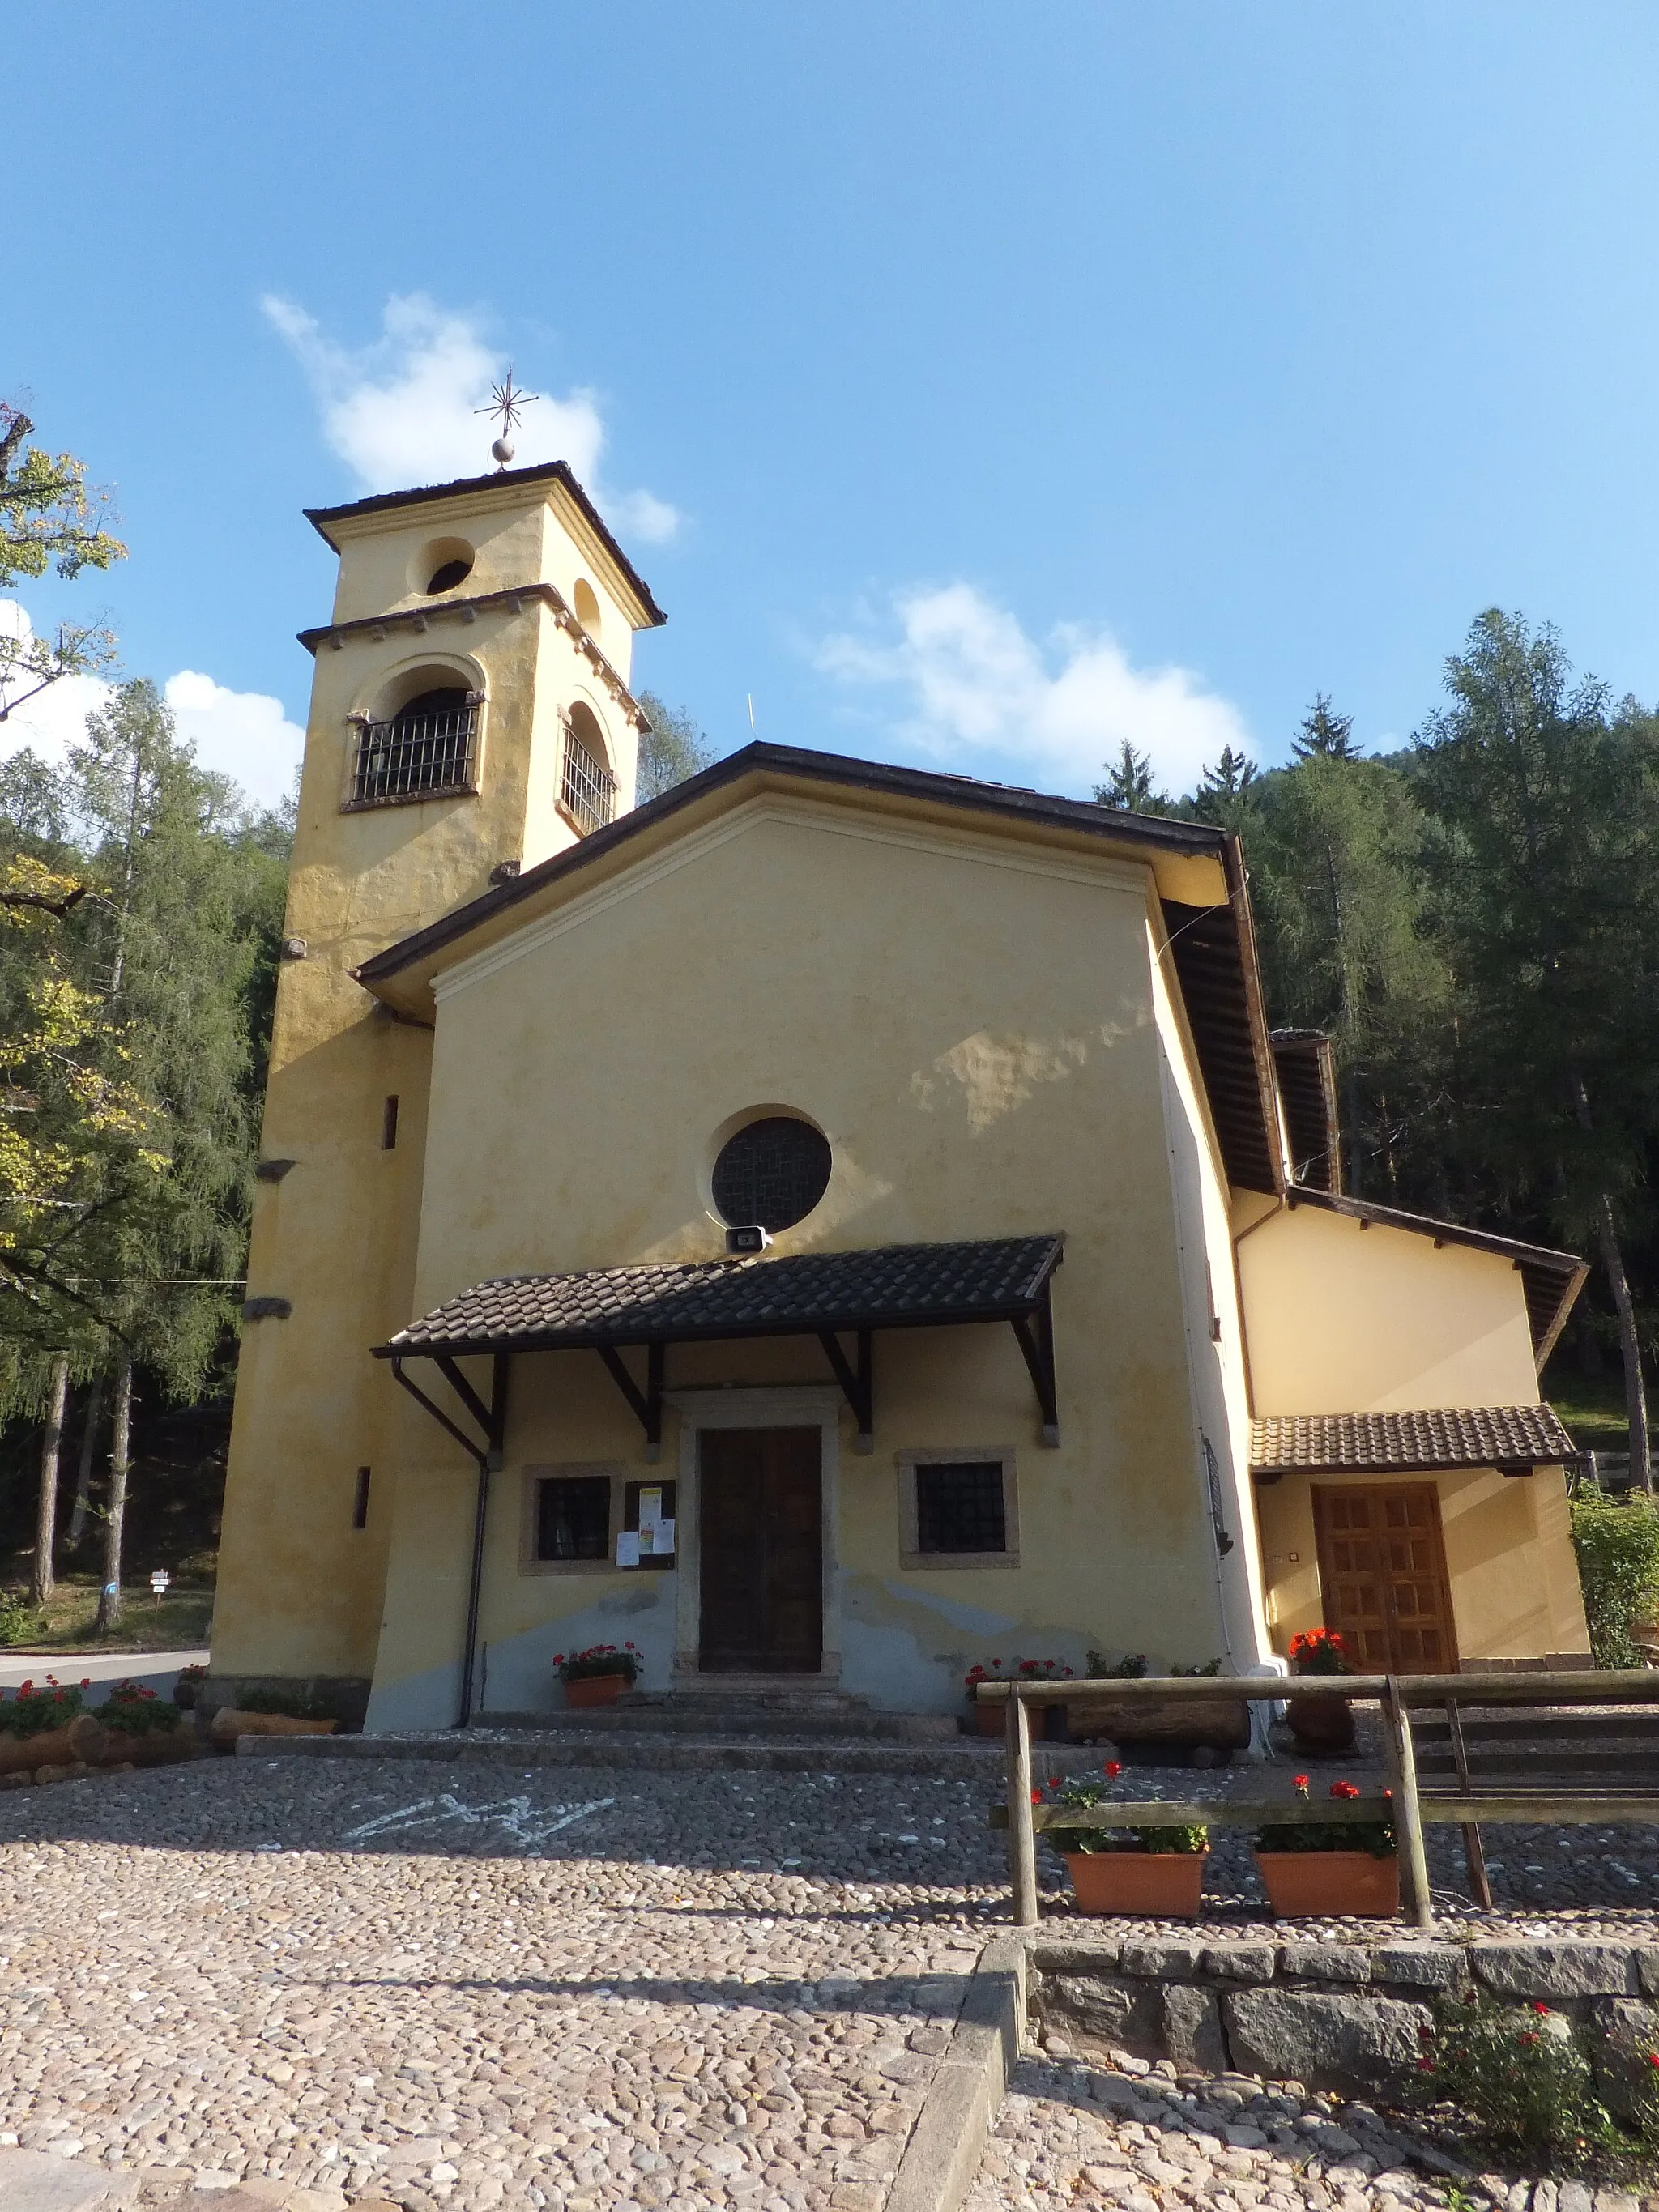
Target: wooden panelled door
{"points": [[1383, 1570], [761, 1527]]}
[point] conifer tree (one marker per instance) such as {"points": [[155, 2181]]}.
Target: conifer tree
{"points": [[1546, 812], [1130, 784]]}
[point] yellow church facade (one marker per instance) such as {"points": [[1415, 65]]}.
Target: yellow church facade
{"points": [[831, 1224]]}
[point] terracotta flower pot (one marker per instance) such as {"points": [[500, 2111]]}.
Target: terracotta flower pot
{"points": [[991, 1719], [1323, 1721], [1311, 1885], [1165, 1885], [80, 1739], [595, 1689]]}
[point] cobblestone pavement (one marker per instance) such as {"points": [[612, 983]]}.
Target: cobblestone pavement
{"points": [[1071, 2135], [589, 1988]]}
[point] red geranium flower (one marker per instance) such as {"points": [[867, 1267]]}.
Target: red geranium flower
{"points": [[1299, 1781], [1542, 2011], [1113, 1768], [1530, 2035], [1037, 1796], [1426, 2065], [1344, 1789]]}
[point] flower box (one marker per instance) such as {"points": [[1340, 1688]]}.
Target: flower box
{"points": [[1315, 1885], [1165, 1885], [595, 1689]]}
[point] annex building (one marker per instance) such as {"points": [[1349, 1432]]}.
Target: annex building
{"points": [[833, 1222]]}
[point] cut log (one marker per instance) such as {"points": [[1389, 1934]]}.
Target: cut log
{"points": [[230, 1722], [71, 1772], [153, 1747], [1221, 1723], [81, 1740]]}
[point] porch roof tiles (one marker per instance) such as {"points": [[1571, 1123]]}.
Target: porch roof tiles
{"points": [[892, 1286], [1515, 1438]]}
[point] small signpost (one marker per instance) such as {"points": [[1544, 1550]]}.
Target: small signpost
{"points": [[158, 1584]]}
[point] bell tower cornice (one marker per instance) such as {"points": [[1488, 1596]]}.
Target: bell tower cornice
{"points": [[417, 620]]}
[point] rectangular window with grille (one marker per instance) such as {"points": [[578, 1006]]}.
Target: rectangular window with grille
{"points": [[957, 1509], [588, 788], [424, 754], [572, 1517]]}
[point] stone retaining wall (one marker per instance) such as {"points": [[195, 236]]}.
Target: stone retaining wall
{"points": [[1330, 2014]]}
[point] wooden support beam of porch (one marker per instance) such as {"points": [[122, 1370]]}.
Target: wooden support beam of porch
{"points": [[858, 1386]]}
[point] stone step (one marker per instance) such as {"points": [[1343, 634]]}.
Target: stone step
{"points": [[729, 1717], [968, 1757]]}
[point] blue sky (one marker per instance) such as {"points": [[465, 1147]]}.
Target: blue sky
{"points": [[975, 385]]}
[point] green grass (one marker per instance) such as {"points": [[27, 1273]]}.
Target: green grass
{"points": [[1592, 1411], [178, 1622]]}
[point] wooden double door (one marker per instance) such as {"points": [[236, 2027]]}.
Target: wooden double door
{"points": [[760, 1511], [1383, 1571]]}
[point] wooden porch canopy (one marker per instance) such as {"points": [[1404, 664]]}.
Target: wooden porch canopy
{"points": [[827, 1294], [1514, 1439]]}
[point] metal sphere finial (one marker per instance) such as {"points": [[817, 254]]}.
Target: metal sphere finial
{"points": [[506, 401]]}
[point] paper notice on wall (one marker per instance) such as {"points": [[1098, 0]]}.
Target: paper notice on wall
{"points": [[662, 1541], [628, 1547], [650, 1510]]}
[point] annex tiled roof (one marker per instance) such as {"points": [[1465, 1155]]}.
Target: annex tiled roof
{"points": [[1383, 1443], [893, 1286]]}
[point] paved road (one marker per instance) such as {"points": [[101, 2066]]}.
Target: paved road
{"points": [[156, 1670]]}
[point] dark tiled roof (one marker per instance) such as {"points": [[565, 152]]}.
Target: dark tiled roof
{"points": [[895, 1287], [1365, 1444], [1551, 1280], [1213, 953]]}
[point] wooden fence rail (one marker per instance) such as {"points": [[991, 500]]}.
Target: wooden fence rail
{"points": [[1395, 1693]]}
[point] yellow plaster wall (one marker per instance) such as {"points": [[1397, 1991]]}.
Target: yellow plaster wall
{"points": [[1508, 1557], [300, 1591], [1346, 1320], [519, 533], [974, 1031], [1210, 1316]]}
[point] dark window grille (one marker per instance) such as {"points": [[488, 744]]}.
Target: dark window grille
{"points": [[572, 1517], [589, 789], [360, 1502], [425, 750], [960, 1507], [772, 1173]]}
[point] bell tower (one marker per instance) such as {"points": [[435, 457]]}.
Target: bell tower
{"points": [[469, 716]]}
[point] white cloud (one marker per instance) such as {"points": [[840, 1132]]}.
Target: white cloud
{"points": [[402, 411], [242, 734], [975, 681]]}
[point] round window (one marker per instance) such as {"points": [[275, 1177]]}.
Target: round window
{"points": [[772, 1173]]}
